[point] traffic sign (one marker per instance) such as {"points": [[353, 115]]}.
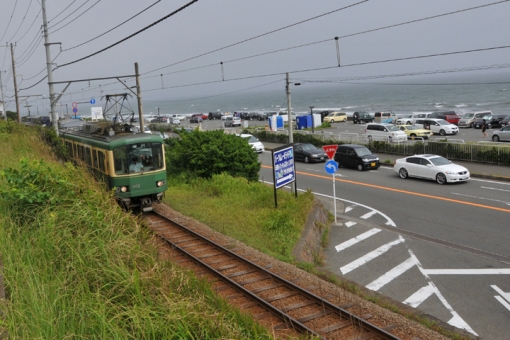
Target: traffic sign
{"points": [[75, 109], [331, 167], [92, 101], [330, 150], [75, 104]]}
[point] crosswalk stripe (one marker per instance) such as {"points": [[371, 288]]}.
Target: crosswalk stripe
{"points": [[356, 239], [370, 256], [421, 295], [391, 274]]}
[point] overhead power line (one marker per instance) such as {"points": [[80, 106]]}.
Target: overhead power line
{"points": [[132, 35], [122, 23]]}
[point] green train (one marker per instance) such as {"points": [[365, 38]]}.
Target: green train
{"points": [[131, 163]]}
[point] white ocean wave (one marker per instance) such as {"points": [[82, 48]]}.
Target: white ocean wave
{"points": [[460, 105]]}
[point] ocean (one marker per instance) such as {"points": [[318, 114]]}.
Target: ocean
{"points": [[401, 99]]}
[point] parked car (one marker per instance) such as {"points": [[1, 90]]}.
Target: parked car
{"points": [[478, 122], [232, 121], [405, 120], [159, 120], [356, 156], [450, 116], [175, 121], [214, 115], [180, 117], [254, 142], [413, 131], [335, 117], [225, 116], [136, 129], [196, 118], [433, 167], [496, 120], [503, 134], [437, 126], [309, 153], [385, 117], [384, 131], [505, 121], [362, 116], [260, 116], [420, 115], [468, 119]]}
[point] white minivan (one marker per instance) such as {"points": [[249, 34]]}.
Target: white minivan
{"points": [[384, 132]]}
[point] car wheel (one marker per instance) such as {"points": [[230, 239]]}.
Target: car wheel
{"points": [[442, 133], [354, 121], [441, 178], [495, 138], [390, 140], [345, 119], [307, 160], [409, 123], [361, 167], [413, 135], [403, 173], [471, 125]]}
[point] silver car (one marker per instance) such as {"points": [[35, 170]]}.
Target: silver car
{"points": [[502, 134]]}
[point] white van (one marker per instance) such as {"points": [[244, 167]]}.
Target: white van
{"points": [[136, 129], [419, 115], [384, 132], [468, 119]]}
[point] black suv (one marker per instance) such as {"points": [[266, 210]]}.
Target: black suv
{"points": [[356, 156], [362, 116], [214, 115]]}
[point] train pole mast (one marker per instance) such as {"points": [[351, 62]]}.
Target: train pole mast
{"points": [[53, 111], [15, 84]]}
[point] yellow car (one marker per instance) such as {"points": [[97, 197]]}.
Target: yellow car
{"points": [[336, 117], [414, 131]]}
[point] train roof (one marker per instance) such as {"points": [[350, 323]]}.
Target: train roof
{"points": [[108, 136]]}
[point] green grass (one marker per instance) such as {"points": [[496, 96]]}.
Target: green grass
{"points": [[79, 267], [243, 210]]}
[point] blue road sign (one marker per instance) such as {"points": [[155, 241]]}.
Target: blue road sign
{"points": [[331, 167], [283, 166], [75, 109], [92, 101]]}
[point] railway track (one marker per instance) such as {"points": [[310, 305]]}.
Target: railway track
{"points": [[274, 301]]}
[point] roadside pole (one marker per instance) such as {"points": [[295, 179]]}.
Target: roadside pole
{"points": [[331, 167]]}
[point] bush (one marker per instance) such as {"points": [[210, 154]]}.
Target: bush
{"points": [[204, 154]]}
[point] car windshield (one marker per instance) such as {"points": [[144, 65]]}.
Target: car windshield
{"points": [[308, 147], [443, 122], [487, 117], [438, 161], [412, 127], [362, 152], [468, 115], [251, 139], [392, 128]]}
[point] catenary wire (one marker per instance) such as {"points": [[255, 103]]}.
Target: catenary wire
{"points": [[72, 21], [122, 23], [22, 21], [328, 40], [62, 11], [132, 35], [260, 35], [10, 19], [55, 24]]}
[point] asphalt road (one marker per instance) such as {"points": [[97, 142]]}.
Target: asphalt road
{"points": [[442, 249]]}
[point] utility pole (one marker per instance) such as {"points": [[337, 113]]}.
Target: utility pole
{"points": [[139, 98], [15, 85], [311, 115], [53, 111], [3, 113], [287, 87]]}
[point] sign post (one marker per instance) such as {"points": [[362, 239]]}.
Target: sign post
{"points": [[331, 167]]}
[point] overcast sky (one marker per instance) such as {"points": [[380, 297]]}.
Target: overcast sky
{"points": [[187, 48]]}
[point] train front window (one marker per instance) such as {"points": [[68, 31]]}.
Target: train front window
{"points": [[150, 155]]}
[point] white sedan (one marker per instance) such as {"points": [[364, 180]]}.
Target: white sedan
{"points": [[434, 167]]}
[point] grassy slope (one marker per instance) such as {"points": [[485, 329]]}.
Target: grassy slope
{"points": [[81, 268]]}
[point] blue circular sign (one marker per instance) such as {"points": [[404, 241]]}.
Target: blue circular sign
{"points": [[331, 167], [75, 109], [92, 101]]}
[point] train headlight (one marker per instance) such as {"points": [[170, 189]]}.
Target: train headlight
{"points": [[160, 183], [123, 189]]}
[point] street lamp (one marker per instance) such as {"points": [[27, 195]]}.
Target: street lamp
{"points": [[158, 110], [311, 115]]}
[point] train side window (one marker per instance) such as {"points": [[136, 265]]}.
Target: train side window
{"points": [[94, 159], [69, 147], [88, 157], [120, 160], [101, 160]]}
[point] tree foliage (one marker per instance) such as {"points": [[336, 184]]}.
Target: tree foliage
{"points": [[206, 153]]}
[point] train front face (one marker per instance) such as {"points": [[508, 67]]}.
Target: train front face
{"points": [[139, 174]]}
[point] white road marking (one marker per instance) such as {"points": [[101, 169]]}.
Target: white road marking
{"points": [[349, 208], [498, 189], [350, 224], [482, 271], [389, 221], [421, 295], [369, 214], [356, 239], [391, 274], [370, 256], [505, 296], [503, 302], [481, 198]]}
